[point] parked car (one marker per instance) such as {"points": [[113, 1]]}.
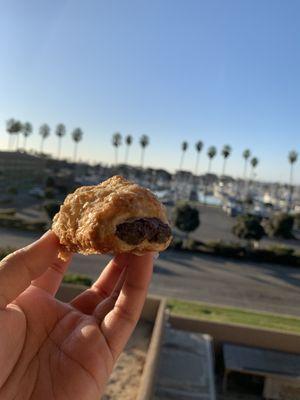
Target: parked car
{"points": [[232, 209], [37, 192]]}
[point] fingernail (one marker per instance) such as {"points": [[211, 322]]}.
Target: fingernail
{"points": [[155, 256]]}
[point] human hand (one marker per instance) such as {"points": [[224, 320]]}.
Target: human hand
{"points": [[55, 350]]}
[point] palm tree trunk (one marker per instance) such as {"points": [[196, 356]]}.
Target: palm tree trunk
{"points": [[59, 147], [42, 145], [24, 142], [291, 186], [197, 163], [209, 165], [126, 154], [181, 161], [75, 152], [142, 157], [205, 186], [17, 141], [252, 174], [245, 169], [9, 141], [291, 174], [116, 155], [224, 166]]}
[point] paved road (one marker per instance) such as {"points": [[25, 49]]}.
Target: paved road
{"points": [[204, 278], [214, 280]]}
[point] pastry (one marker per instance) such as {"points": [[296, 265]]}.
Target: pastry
{"points": [[116, 216]]}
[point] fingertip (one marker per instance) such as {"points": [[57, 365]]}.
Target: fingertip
{"points": [[139, 256], [49, 236], [47, 233], [47, 248], [141, 261]]}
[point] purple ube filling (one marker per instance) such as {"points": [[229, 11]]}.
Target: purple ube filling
{"points": [[136, 231]]}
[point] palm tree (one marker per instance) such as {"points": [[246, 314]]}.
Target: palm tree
{"points": [[211, 152], [293, 156], [128, 141], [199, 147], [144, 142], [60, 131], [18, 135], [254, 161], [77, 137], [13, 127], [184, 147], [246, 155], [44, 132], [27, 130], [116, 141], [226, 151]]}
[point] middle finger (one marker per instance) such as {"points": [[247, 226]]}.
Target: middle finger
{"points": [[103, 287]]}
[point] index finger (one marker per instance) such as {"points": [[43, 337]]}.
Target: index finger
{"points": [[119, 323]]}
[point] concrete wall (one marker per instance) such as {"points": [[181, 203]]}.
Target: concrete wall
{"points": [[151, 365], [240, 334]]}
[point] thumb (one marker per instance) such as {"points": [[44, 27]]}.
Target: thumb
{"points": [[18, 269]]}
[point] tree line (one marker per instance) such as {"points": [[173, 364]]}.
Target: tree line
{"points": [[226, 152], [212, 152], [15, 128], [117, 140]]}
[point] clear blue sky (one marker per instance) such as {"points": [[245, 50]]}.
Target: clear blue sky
{"points": [[219, 71]]}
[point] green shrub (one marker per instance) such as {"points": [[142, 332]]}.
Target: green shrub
{"points": [[7, 211], [297, 221], [249, 200], [273, 254], [62, 189], [281, 250], [226, 249], [176, 243], [78, 279], [8, 200], [191, 244], [12, 190], [49, 193], [248, 227], [50, 182], [274, 257], [280, 225], [186, 218]]}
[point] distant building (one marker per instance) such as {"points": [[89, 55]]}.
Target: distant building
{"points": [[20, 169]]}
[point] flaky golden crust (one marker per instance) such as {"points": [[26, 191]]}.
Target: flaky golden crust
{"points": [[87, 220]]}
